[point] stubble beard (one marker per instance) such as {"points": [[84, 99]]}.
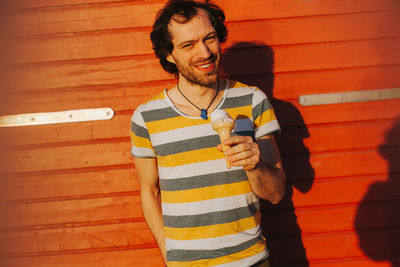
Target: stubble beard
{"points": [[206, 80]]}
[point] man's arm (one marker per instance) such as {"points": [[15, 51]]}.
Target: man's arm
{"points": [[147, 173], [262, 162]]}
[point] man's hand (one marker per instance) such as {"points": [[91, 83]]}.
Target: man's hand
{"points": [[243, 151], [261, 161]]}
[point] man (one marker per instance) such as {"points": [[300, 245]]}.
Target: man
{"points": [[200, 212]]}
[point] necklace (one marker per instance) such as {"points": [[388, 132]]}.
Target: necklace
{"points": [[203, 112]]}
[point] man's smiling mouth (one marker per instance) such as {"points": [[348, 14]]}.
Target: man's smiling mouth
{"points": [[206, 67]]}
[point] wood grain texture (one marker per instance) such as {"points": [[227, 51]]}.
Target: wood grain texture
{"points": [[126, 42], [106, 236], [315, 137], [81, 15], [108, 258], [282, 86], [69, 239], [48, 186], [136, 69], [69, 192], [71, 212], [67, 157]]}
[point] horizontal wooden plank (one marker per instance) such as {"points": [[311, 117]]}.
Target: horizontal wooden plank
{"points": [[339, 164], [92, 45], [309, 197], [146, 68], [78, 238], [275, 224], [69, 185], [281, 86], [108, 154], [118, 127], [314, 221], [118, 97], [330, 137], [313, 56], [319, 248], [71, 212], [95, 72], [323, 193], [362, 162], [23, 4], [292, 85], [253, 33], [339, 246], [363, 261], [78, 184], [290, 140], [242, 10], [90, 16], [150, 257], [342, 112], [67, 157]]}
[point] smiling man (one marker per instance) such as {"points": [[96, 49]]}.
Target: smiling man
{"points": [[200, 212]]}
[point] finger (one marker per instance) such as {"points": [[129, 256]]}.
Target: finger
{"points": [[237, 139], [240, 148], [247, 164], [245, 155]]}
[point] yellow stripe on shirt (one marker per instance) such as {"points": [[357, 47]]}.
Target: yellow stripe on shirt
{"points": [[140, 141], [265, 117], [190, 157], [206, 193], [240, 112], [174, 123]]}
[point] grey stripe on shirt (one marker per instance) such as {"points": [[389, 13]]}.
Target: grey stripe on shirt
{"points": [[184, 255], [159, 114], [238, 101], [200, 181], [211, 218]]}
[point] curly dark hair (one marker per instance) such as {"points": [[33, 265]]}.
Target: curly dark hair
{"points": [[160, 37]]}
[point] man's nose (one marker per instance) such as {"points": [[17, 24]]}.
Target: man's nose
{"points": [[204, 50]]}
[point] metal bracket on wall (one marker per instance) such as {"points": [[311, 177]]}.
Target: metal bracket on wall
{"points": [[77, 115], [349, 97]]}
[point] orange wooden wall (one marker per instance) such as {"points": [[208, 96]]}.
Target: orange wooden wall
{"points": [[69, 194]]}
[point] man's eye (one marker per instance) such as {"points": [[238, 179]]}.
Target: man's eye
{"points": [[211, 38], [187, 45]]}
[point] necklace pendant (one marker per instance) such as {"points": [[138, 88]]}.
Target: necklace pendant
{"points": [[203, 114]]}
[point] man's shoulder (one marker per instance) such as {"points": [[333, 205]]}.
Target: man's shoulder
{"points": [[239, 87], [154, 102]]}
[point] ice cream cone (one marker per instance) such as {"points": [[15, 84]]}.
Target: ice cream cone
{"points": [[223, 124]]}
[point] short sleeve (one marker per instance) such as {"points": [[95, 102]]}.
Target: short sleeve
{"points": [[264, 118], [140, 137]]}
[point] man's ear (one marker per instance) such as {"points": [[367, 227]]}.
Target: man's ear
{"points": [[170, 58]]}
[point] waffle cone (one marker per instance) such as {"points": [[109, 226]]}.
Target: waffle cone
{"points": [[223, 133]]}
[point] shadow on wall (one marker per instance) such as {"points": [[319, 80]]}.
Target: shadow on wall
{"points": [[378, 217], [253, 63]]}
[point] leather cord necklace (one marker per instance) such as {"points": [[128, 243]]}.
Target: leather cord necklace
{"points": [[203, 112]]}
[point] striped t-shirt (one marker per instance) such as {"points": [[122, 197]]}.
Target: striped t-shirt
{"points": [[211, 216]]}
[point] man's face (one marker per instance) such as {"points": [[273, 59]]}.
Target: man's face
{"points": [[196, 52]]}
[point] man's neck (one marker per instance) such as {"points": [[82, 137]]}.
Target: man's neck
{"points": [[201, 96], [197, 91]]}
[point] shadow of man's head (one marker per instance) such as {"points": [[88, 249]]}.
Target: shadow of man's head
{"points": [[253, 64], [250, 63]]}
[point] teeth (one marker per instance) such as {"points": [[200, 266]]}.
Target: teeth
{"points": [[206, 66]]}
